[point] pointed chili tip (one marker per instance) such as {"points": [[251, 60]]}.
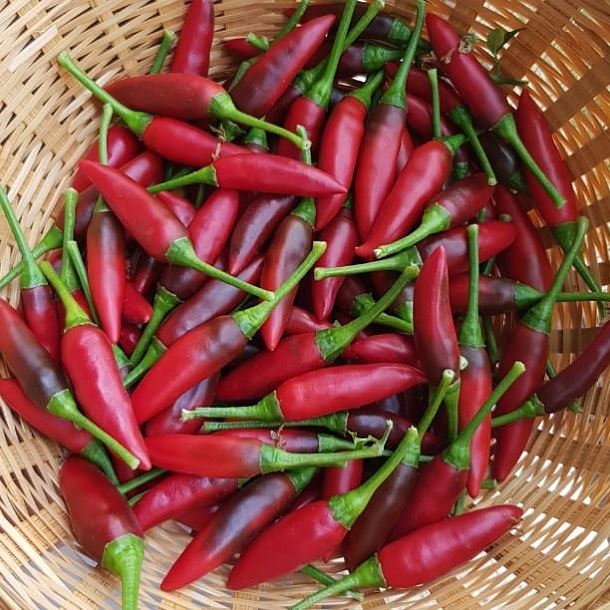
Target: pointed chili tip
{"points": [[365, 251]]}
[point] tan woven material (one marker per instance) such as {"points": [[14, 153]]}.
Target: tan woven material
{"points": [[558, 556]]}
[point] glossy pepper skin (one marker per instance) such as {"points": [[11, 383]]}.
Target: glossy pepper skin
{"points": [[341, 479], [265, 81], [238, 521], [135, 309], [384, 347], [192, 53], [122, 147], [302, 321], [178, 493], [104, 524]]}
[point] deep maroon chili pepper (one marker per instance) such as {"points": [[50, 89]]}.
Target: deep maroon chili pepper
{"points": [[207, 348], [104, 524], [451, 208], [376, 166], [178, 493], [88, 359], [475, 380], [234, 456], [236, 524], [300, 354], [129, 337], [311, 532], [505, 163], [265, 81], [441, 481], [169, 421], [426, 554], [135, 308], [482, 95], [419, 118], [255, 226], [241, 47], [192, 53], [405, 151], [302, 321], [40, 377], [198, 518], [37, 303], [421, 179], [364, 58], [60, 430], [146, 273], [537, 137], [341, 235], [122, 147], [310, 494], [341, 479], [389, 347], [340, 144], [323, 391], [309, 110], [529, 342], [525, 259]]}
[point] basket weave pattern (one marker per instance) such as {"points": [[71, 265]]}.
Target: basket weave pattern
{"points": [[558, 556]]}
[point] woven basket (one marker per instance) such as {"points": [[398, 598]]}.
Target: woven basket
{"points": [[558, 556]]}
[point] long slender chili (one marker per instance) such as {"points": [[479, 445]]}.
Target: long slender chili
{"points": [[313, 531], [376, 166], [37, 304], [300, 353], [192, 53], [483, 97], [427, 553], [529, 342], [208, 347], [104, 524]]}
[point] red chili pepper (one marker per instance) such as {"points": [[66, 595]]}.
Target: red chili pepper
{"points": [[537, 137], [233, 456], [37, 303], [441, 481], [389, 347], [451, 208], [482, 95], [529, 342], [341, 479], [265, 81], [405, 151], [198, 518], [340, 144], [311, 532], [145, 272], [207, 348], [122, 147], [426, 554], [104, 524], [300, 354], [88, 359], [419, 118], [179, 206], [301, 321], [135, 308], [60, 430], [179, 493], [192, 53], [376, 166], [237, 523], [129, 337], [169, 421], [241, 47], [525, 259], [309, 109]]}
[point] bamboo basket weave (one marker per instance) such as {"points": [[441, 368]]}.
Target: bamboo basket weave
{"points": [[558, 556]]}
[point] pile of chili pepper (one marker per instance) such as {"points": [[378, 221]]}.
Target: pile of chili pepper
{"points": [[371, 413]]}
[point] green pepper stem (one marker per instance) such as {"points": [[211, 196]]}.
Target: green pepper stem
{"points": [[436, 103], [506, 128], [528, 410], [293, 21], [435, 402], [266, 409], [203, 175], [167, 41], [94, 452], [365, 93], [79, 266], [31, 275], [395, 263], [490, 341], [471, 334], [367, 574], [259, 42], [51, 240], [364, 302], [462, 119], [458, 453], [571, 297], [539, 316], [142, 479], [333, 341], [123, 557], [435, 219], [256, 137], [102, 143], [250, 320], [135, 121], [163, 302], [67, 273], [153, 353], [324, 579], [396, 94], [75, 314]]}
